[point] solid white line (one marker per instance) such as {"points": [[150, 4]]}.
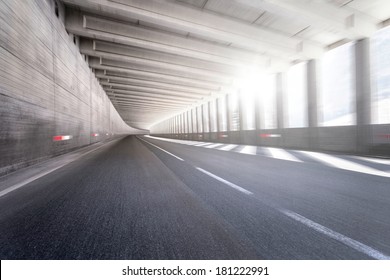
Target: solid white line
{"points": [[29, 180], [282, 154], [250, 150], [161, 149], [345, 164], [228, 147], [33, 178], [234, 186], [337, 236]]}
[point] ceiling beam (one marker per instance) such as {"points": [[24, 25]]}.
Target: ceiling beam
{"points": [[179, 73], [86, 47], [325, 16], [146, 98], [156, 56], [153, 90], [117, 92], [128, 34], [95, 63], [108, 79], [119, 73], [182, 18]]}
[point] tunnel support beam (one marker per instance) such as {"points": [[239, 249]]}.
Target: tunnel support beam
{"points": [[363, 94]]}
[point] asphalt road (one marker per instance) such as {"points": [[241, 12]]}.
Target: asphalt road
{"points": [[132, 200]]}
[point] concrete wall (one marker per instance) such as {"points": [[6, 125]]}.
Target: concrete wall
{"points": [[46, 88]]}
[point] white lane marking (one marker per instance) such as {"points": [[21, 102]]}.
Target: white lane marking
{"points": [[161, 149], [345, 164], [186, 142], [214, 146], [250, 150], [202, 144], [33, 178], [234, 186], [228, 147], [375, 160], [282, 154], [337, 236]]}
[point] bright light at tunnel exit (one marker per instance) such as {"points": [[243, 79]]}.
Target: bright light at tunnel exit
{"points": [[255, 83]]}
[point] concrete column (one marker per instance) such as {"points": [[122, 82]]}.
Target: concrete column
{"points": [[257, 112], [181, 124], [280, 88], [209, 112], [228, 113], [312, 95], [197, 120], [188, 123], [202, 118], [240, 110], [217, 111], [363, 94]]}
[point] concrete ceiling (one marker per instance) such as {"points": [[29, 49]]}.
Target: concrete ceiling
{"points": [[157, 58]]}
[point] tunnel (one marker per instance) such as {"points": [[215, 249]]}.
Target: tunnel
{"points": [[194, 129]]}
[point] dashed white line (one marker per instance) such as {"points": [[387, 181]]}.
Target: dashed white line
{"points": [[214, 146], [228, 147], [356, 245], [249, 150], [230, 184], [161, 149], [282, 154], [345, 164], [337, 236], [202, 144]]}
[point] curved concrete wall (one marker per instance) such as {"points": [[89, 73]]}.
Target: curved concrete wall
{"points": [[47, 89]]}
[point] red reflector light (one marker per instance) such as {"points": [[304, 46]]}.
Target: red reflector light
{"points": [[387, 136], [62, 137], [267, 135]]}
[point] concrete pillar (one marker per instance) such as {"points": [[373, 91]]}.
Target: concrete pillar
{"points": [[209, 112], [181, 124], [202, 118], [228, 113], [280, 88], [198, 125], [188, 123], [363, 94], [217, 111], [312, 96], [240, 111], [257, 112], [312, 93]]}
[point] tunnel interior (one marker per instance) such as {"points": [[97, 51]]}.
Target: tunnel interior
{"points": [[194, 129], [76, 73]]}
